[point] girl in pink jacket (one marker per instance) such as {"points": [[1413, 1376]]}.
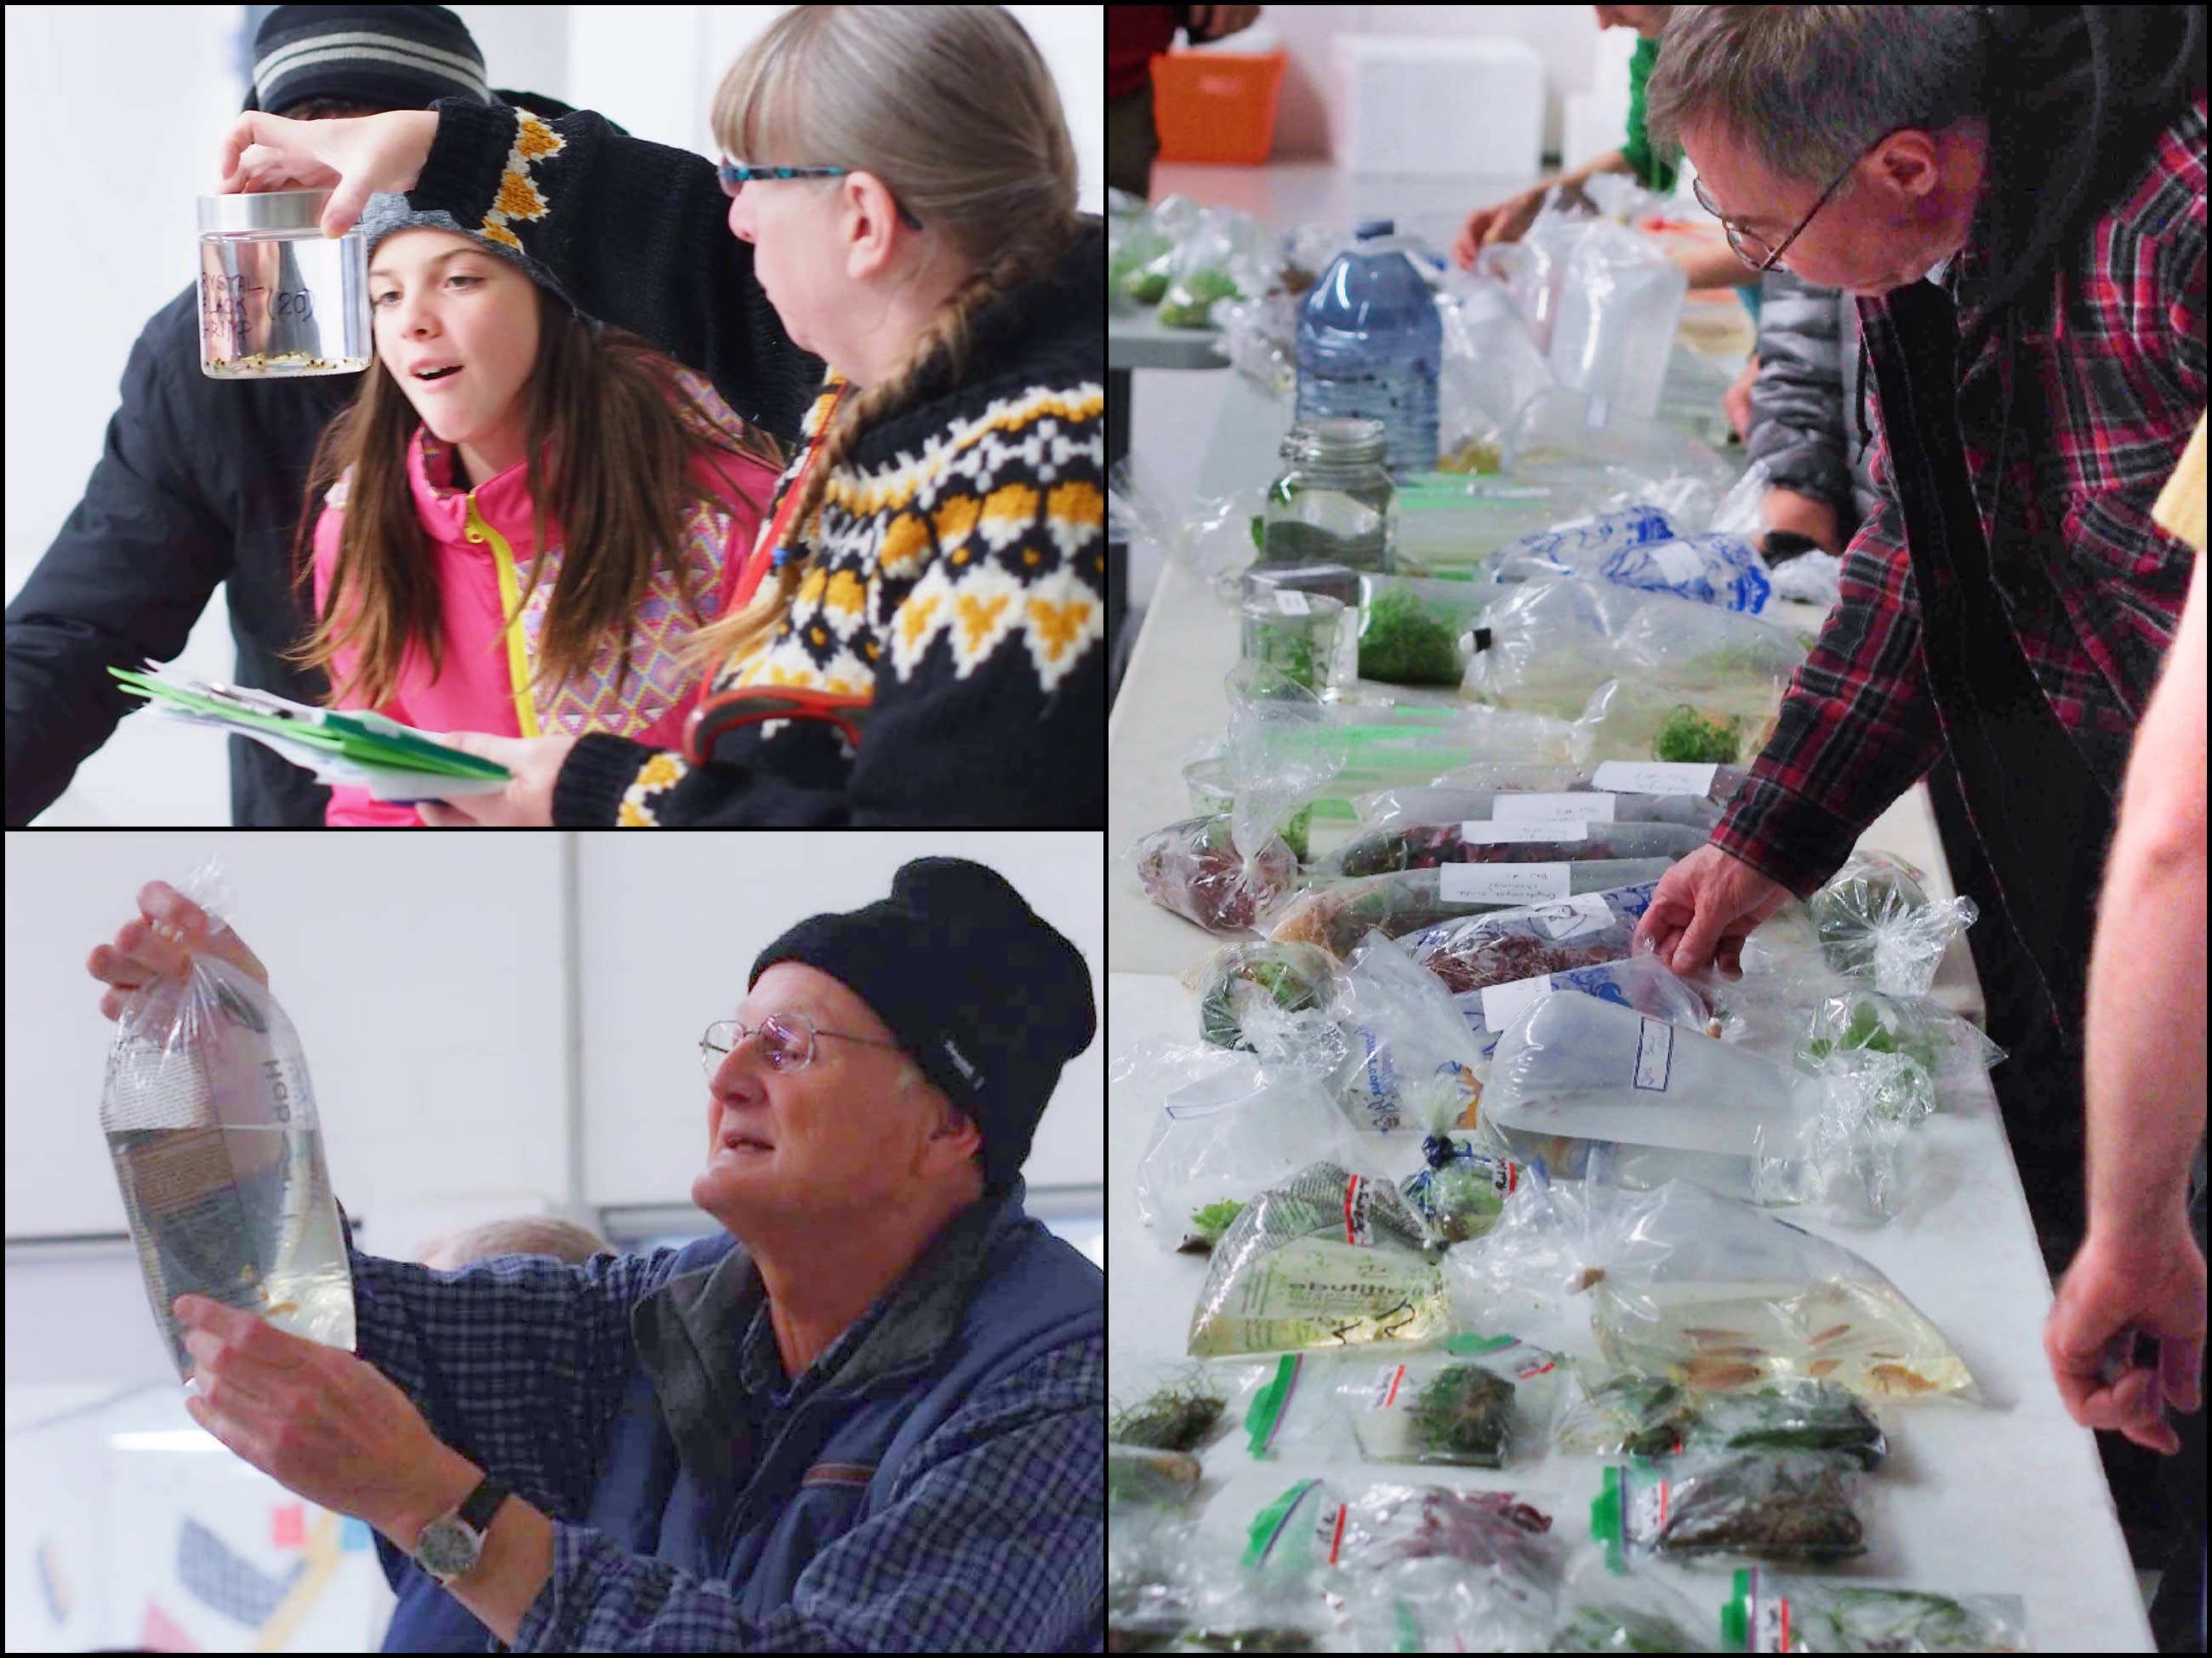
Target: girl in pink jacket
{"points": [[526, 514]]}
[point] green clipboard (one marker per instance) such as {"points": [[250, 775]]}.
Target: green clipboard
{"points": [[364, 737]]}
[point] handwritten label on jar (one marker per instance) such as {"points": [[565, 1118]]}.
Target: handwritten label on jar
{"points": [[1656, 777], [1289, 601], [1590, 808], [1501, 883], [1478, 833]]}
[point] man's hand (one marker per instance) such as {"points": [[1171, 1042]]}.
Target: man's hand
{"points": [[159, 944], [2153, 1282], [525, 803], [1814, 520], [352, 159], [1213, 22], [1705, 908], [1736, 400], [319, 1421]]}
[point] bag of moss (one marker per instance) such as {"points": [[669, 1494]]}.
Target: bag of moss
{"points": [[1603, 1612], [1416, 632], [1142, 1479], [1503, 840], [1478, 1402], [1227, 1127], [1876, 921], [1770, 1612], [1408, 1064], [1163, 1403], [1236, 982], [1694, 1508], [1335, 915], [1327, 1258], [1627, 1413]]}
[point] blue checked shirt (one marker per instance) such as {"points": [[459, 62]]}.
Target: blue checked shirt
{"points": [[988, 1534]]}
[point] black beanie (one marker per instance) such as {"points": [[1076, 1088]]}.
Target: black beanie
{"points": [[394, 56], [989, 999]]}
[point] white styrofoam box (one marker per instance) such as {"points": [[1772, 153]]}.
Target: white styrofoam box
{"points": [[1431, 106], [1595, 122]]}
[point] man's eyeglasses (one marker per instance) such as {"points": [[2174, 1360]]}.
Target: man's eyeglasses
{"points": [[1749, 245], [786, 1042], [735, 176]]}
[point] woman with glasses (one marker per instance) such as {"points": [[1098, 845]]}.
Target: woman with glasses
{"points": [[927, 639]]}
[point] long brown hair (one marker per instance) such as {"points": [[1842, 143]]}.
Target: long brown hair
{"points": [[954, 109], [608, 445]]}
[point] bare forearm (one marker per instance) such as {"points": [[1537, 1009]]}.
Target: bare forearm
{"points": [[1611, 161]]}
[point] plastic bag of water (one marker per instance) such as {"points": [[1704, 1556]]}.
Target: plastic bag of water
{"points": [[211, 1120]]}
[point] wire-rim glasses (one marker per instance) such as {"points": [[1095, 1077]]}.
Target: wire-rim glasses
{"points": [[1738, 237], [786, 1042]]}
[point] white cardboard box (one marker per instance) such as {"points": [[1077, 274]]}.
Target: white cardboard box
{"points": [[1438, 106]]}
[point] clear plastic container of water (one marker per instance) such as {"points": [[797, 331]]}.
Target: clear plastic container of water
{"points": [[210, 1123], [277, 297], [1617, 314], [1370, 345], [1334, 503]]}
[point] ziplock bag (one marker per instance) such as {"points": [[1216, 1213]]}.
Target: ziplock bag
{"points": [[1476, 1402], [1237, 981], [1707, 1291], [1185, 1405], [1627, 1413], [212, 1126], [1335, 915], [1876, 921], [1695, 1508], [1409, 1058], [1325, 1258], [1136, 1477], [1552, 643], [1440, 1604], [1770, 1612], [1581, 930], [1416, 632], [1603, 1612], [1224, 1133], [1508, 840]]}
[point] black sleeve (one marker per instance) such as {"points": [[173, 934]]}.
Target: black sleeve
{"points": [[638, 235], [125, 580]]}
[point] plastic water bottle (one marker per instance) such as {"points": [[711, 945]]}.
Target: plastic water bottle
{"points": [[210, 1121], [1369, 347]]}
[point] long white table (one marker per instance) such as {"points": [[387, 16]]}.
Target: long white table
{"points": [[2006, 1496]]}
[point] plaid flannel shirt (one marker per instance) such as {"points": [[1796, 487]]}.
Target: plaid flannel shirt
{"points": [[534, 1357], [2113, 386]]}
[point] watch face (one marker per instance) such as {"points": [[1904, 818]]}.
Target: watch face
{"points": [[446, 1549]]}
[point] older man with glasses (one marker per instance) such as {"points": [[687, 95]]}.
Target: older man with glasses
{"points": [[2017, 197], [867, 1416]]}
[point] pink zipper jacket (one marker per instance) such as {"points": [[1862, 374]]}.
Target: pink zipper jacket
{"points": [[480, 542]]}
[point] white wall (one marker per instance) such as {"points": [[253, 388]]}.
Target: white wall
{"points": [[77, 300]]}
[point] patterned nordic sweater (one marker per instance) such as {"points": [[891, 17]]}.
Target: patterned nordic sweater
{"points": [[956, 571]]}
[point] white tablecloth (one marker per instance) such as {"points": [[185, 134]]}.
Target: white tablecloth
{"points": [[2002, 1497]]}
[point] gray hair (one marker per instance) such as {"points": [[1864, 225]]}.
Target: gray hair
{"points": [[544, 1235], [1810, 88]]}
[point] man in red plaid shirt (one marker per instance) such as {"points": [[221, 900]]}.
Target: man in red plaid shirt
{"points": [[2017, 197]]}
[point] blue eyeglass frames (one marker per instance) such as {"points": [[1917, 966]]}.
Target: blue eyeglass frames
{"points": [[733, 175]]}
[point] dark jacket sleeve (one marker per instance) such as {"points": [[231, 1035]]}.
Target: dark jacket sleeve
{"points": [[1799, 423], [125, 580], [637, 234]]}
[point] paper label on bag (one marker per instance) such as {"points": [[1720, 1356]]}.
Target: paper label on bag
{"points": [[1643, 1517], [1656, 777], [1571, 918], [1387, 1382], [1677, 560], [1551, 808], [1502, 883], [1655, 1055], [1492, 833], [1502, 1004], [1289, 601]]}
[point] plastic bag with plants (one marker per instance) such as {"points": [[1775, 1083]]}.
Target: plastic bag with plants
{"points": [[1600, 1611], [1581, 930], [1796, 1507], [1325, 1258], [1243, 988], [1336, 915], [1228, 1126], [1945, 1050], [1408, 1058], [1768, 1612], [1228, 255], [1417, 632], [1634, 719], [1197, 869], [1486, 840], [1614, 1413], [1697, 797], [1876, 922], [1475, 1402]]}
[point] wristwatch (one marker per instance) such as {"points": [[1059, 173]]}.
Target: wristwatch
{"points": [[451, 1544]]}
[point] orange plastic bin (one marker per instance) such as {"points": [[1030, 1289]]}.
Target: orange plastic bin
{"points": [[1216, 106]]}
